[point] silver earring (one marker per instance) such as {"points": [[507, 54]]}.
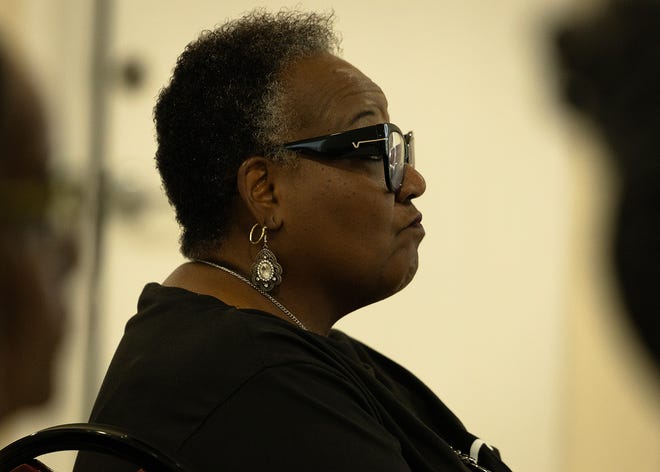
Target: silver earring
{"points": [[266, 271]]}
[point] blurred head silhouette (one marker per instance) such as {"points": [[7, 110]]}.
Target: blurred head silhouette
{"points": [[33, 261], [611, 70]]}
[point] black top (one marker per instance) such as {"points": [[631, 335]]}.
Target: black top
{"points": [[241, 390]]}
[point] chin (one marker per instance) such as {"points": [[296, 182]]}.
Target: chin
{"points": [[404, 277], [39, 391], [393, 278], [413, 265], [407, 279]]}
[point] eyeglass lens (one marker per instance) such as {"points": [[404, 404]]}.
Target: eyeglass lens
{"points": [[397, 155]]}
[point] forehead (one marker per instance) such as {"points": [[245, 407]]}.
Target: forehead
{"points": [[325, 94], [23, 133]]}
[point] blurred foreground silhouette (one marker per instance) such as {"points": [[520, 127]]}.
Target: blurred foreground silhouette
{"points": [[34, 256], [610, 65]]}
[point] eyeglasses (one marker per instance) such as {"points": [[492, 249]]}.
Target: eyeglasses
{"points": [[384, 141]]}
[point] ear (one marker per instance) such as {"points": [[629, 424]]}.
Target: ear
{"points": [[256, 181]]}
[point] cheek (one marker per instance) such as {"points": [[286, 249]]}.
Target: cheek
{"points": [[35, 333], [343, 223], [349, 226], [354, 212]]}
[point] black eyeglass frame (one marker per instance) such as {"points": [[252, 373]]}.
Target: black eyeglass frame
{"points": [[368, 141]]}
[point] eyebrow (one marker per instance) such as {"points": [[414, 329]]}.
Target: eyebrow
{"points": [[361, 115]]}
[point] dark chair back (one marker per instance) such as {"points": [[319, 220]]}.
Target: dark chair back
{"points": [[84, 437]]}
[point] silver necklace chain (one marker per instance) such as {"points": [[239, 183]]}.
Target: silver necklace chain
{"points": [[282, 308]]}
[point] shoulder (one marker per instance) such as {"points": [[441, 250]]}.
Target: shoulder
{"points": [[303, 416], [195, 347]]}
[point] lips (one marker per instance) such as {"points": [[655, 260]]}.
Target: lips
{"points": [[417, 221], [414, 224]]}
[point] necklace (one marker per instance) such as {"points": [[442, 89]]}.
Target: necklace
{"points": [[282, 308]]}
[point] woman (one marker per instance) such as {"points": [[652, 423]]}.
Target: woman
{"points": [[295, 197], [34, 261]]}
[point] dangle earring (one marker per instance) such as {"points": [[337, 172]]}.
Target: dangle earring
{"points": [[266, 271]]}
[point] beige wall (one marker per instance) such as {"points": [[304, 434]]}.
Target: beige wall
{"points": [[510, 319]]}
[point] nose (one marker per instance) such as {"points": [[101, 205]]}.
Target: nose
{"points": [[69, 253], [413, 185]]}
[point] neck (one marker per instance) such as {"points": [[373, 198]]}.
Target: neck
{"points": [[265, 294], [207, 280]]}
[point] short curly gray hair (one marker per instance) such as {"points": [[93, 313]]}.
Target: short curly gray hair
{"points": [[223, 104]]}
